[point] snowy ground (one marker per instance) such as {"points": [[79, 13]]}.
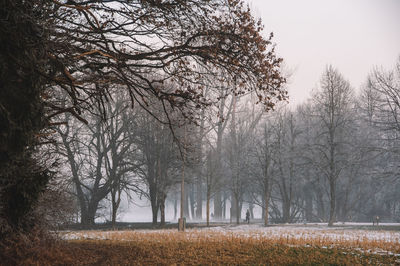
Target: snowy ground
{"points": [[340, 232]]}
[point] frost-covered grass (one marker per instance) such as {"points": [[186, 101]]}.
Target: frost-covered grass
{"points": [[385, 242]]}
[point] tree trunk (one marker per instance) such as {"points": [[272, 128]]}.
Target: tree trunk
{"points": [[286, 210], [154, 206], [192, 200], [87, 220], [332, 211], [320, 204], [208, 207], [308, 207], [251, 208], [114, 216], [186, 212], [237, 209], [199, 184], [233, 209], [217, 196], [175, 207], [344, 210], [155, 214], [162, 209], [199, 199], [154, 202], [266, 207], [217, 205], [263, 204], [115, 201], [240, 208], [225, 197], [88, 217], [113, 210]]}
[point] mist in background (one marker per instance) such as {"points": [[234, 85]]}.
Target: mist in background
{"points": [[352, 35]]}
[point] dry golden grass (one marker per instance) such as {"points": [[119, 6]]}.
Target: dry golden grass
{"points": [[389, 244], [170, 247], [202, 248]]}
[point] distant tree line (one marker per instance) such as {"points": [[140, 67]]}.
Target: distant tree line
{"points": [[332, 158]]}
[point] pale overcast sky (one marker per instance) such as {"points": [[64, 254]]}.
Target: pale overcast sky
{"points": [[352, 35]]}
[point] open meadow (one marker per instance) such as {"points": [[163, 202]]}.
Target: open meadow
{"points": [[305, 244]]}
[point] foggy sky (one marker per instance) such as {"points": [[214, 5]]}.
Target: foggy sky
{"points": [[352, 35]]}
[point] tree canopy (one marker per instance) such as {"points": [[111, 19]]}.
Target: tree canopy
{"points": [[165, 50]]}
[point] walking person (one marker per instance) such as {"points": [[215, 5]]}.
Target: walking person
{"points": [[248, 216]]}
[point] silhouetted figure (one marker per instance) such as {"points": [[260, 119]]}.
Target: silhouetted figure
{"points": [[248, 216], [375, 220]]}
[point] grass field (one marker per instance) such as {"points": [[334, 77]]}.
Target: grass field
{"points": [[254, 244]]}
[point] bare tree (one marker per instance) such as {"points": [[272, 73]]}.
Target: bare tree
{"points": [[211, 170], [263, 170], [381, 106], [160, 160], [332, 103], [244, 120], [223, 116], [97, 158], [383, 95], [118, 164], [286, 160]]}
